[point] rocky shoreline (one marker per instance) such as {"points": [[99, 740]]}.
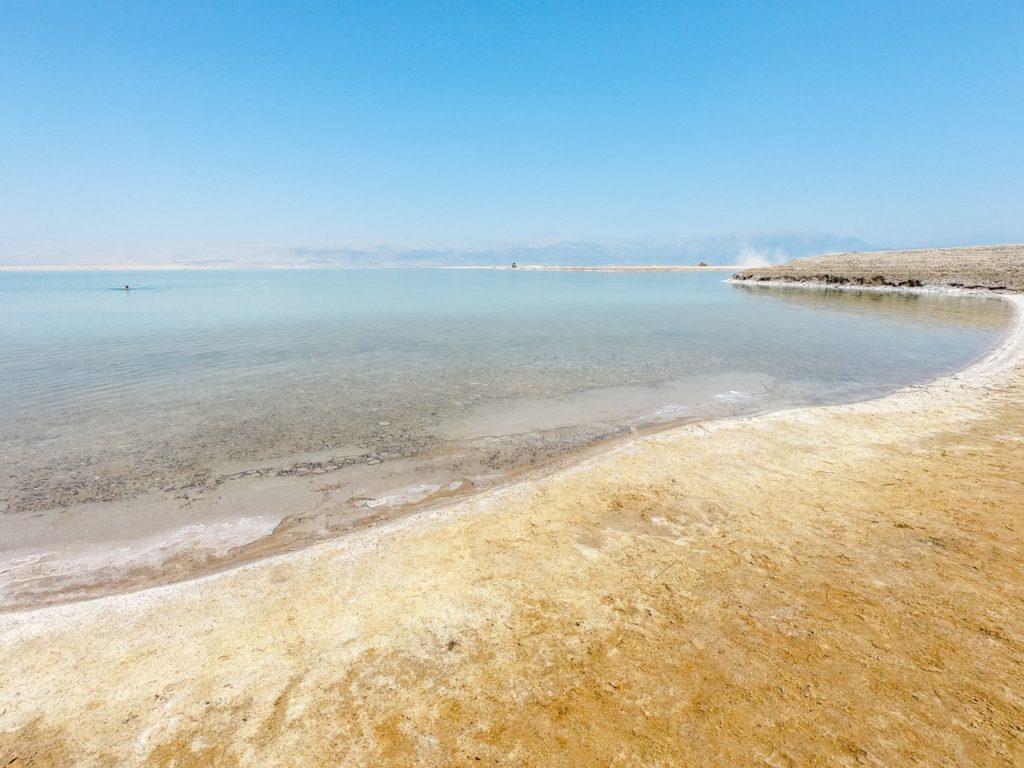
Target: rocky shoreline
{"points": [[988, 267]]}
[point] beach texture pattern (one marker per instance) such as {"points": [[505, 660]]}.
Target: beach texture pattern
{"points": [[823, 586], [836, 586]]}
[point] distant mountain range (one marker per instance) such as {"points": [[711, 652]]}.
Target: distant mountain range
{"points": [[767, 249], [746, 251]]}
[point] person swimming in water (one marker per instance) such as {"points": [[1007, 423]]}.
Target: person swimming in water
{"points": [[127, 288]]}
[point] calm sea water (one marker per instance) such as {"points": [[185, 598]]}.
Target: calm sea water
{"points": [[105, 394]]}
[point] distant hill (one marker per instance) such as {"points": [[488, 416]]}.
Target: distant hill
{"points": [[747, 251], [752, 251]]}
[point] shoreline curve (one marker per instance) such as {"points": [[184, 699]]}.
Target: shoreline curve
{"points": [[822, 583]]}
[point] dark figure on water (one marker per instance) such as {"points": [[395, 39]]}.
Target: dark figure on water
{"points": [[127, 288]]}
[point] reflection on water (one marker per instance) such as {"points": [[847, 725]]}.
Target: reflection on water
{"points": [[106, 394], [944, 309]]}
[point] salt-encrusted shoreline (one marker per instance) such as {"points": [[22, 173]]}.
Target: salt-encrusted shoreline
{"points": [[252, 519], [1006, 355], [814, 585]]}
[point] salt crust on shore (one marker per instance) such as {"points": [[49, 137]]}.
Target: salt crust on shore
{"points": [[832, 586]]}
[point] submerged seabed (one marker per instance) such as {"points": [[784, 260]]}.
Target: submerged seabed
{"points": [[206, 417]]}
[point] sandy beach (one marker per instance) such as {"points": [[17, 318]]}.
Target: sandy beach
{"points": [[823, 586]]}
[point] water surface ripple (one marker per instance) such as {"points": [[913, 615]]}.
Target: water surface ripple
{"points": [[106, 394]]}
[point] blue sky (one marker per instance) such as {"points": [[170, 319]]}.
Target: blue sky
{"points": [[155, 126]]}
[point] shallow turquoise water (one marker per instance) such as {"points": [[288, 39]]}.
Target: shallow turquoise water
{"points": [[104, 393]]}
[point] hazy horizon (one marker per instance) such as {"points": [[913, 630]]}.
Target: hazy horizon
{"points": [[746, 251]]}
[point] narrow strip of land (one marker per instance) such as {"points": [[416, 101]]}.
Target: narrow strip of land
{"points": [[625, 268], [992, 267]]}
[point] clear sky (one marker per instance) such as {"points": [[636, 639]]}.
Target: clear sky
{"points": [[199, 125]]}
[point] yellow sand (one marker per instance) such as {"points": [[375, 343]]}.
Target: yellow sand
{"points": [[832, 586]]}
